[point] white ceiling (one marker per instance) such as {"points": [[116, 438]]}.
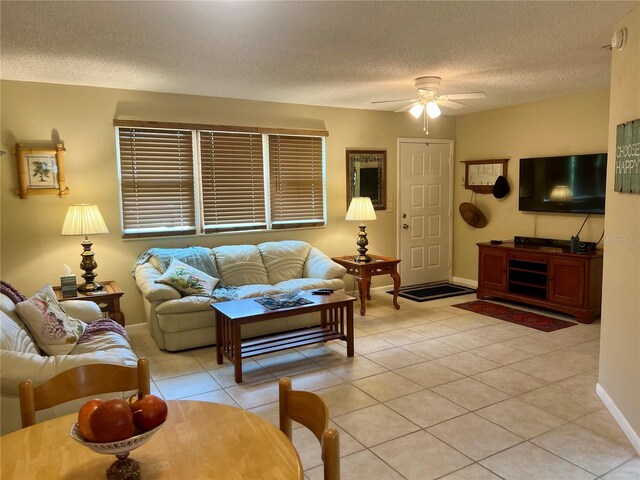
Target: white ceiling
{"points": [[341, 54]]}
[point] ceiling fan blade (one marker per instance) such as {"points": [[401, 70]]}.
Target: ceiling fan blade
{"points": [[406, 108], [449, 104], [463, 96], [402, 100]]}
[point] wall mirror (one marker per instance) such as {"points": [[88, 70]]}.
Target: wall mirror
{"points": [[366, 176]]}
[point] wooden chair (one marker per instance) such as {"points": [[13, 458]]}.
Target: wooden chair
{"points": [[310, 410], [78, 382]]}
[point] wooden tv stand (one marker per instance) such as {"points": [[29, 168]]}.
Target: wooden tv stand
{"points": [[548, 277]]}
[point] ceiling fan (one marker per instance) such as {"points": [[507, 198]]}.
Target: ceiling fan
{"points": [[428, 100]]}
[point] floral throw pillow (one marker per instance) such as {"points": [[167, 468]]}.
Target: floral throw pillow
{"points": [[187, 279], [55, 332]]}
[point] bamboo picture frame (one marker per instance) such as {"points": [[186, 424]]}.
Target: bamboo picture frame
{"points": [[40, 171]]}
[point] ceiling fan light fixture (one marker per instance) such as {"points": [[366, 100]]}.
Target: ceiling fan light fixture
{"points": [[433, 110], [416, 110]]}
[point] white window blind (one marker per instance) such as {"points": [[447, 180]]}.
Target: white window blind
{"points": [[157, 181], [233, 196], [296, 181]]}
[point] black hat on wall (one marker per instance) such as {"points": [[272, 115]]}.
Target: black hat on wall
{"points": [[501, 187]]}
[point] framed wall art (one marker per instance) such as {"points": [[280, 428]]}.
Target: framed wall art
{"points": [[627, 171], [40, 170], [366, 176]]}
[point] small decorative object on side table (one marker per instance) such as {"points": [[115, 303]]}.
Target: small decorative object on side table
{"points": [[108, 299], [363, 272]]}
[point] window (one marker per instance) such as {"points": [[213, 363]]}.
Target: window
{"points": [[194, 179], [296, 181], [156, 181], [232, 181]]}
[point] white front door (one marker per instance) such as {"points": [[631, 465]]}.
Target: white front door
{"points": [[425, 212]]}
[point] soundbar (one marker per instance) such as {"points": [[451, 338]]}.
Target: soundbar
{"points": [[583, 247]]}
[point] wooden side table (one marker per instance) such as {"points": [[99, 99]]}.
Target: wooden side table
{"points": [[108, 299], [363, 272]]}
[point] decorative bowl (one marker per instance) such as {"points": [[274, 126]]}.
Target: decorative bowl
{"points": [[113, 448]]}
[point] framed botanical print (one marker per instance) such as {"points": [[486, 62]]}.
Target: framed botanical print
{"points": [[40, 170]]}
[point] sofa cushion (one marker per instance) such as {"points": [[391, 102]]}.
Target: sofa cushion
{"points": [[53, 330], [297, 284], [284, 260], [187, 279], [192, 303], [14, 336], [197, 257], [240, 265]]}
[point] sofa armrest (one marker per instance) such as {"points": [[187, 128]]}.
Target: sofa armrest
{"points": [[82, 310], [146, 275], [319, 265]]}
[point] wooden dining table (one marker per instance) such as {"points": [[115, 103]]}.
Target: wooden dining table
{"points": [[198, 440]]}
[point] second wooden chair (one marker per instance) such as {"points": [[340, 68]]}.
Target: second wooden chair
{"points": [[311, 411]]}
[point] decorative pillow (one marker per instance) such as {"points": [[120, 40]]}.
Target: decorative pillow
{"points": [[55, 332], [187, 279]]}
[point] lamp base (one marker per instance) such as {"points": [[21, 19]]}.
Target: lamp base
{"points": [[88, 264], [362, 246]]}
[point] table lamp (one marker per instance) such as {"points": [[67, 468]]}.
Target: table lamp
{"points": [[361, 209], [85, 219]]}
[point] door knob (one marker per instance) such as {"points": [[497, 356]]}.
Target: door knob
{"points": [[405, 226]]}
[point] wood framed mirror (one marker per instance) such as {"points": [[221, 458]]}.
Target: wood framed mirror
{"points": [[367, 176]]}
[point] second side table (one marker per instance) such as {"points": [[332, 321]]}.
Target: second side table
{"points": [[363, 272], [108, 299]]}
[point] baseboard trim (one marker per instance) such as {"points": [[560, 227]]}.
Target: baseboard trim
{"points": [[619, 417], [134, 327], [466, 282]]}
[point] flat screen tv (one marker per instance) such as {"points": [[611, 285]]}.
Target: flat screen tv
{"points": [[563, 184]]}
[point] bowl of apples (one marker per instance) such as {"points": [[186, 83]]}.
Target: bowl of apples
{"points": [[116, 427]]}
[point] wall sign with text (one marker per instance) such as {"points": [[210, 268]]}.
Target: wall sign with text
{"points": [[627, 177]]}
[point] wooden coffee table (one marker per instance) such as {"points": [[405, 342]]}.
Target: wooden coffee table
{"points": [[336, 322]]}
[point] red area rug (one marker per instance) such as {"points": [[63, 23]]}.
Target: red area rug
{"points": [[521, 317]]}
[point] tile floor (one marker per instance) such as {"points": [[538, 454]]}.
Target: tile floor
{"points": [[434, 392]]}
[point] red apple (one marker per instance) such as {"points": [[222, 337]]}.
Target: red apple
{"points": [[83, 418], [112, 421], [149, 412]]}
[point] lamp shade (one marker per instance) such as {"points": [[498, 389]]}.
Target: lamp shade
{"points": [[361, 208], [83, 219], [433, 110], [561, 193], [416, 110]]}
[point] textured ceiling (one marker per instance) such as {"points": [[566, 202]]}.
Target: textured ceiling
{"points": [[342, 54]]}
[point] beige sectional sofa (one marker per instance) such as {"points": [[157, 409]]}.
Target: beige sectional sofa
{"points": [[178, 322], [21, 359]]}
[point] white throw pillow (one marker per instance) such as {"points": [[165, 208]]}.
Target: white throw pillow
{"points": [[55, 332], [187, 279]]}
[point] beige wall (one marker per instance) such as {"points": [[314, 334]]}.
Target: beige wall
{"points": [[566, 125], [32, 249], [620, 337]]}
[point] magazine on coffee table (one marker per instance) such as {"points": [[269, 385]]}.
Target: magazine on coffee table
{"points": [[284, 301]]}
